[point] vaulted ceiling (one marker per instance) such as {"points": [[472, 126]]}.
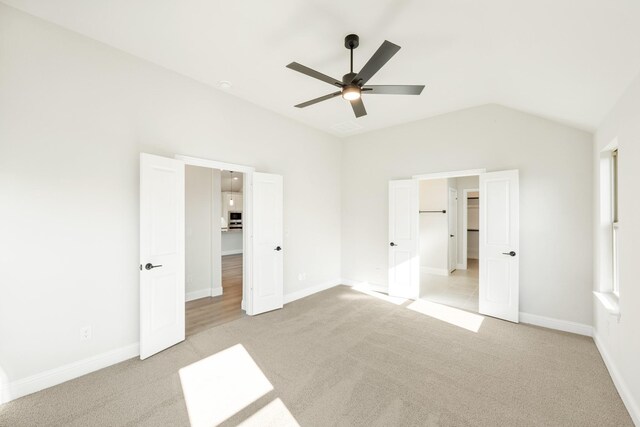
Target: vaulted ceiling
{"points": [[567, 60]]}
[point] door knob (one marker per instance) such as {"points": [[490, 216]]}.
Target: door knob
{"points": [[451, 235], [149, 266], [278, 248], [392, 244], [512, 253]]}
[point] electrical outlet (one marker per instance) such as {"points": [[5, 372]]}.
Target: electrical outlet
{"points": [[302, 277], [85, 333]]}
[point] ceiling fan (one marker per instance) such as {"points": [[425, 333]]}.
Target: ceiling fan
{"points": [[352, 86]]}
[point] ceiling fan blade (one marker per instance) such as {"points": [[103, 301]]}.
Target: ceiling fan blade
{"points": [[358, 107], [315, 74], [320, 99], [393, 89], [384, 53]]}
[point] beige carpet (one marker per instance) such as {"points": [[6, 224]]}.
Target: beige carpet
{"points": [[341, 357]]}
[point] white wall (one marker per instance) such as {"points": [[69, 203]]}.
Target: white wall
{"points": [[555, 196], [201, 248], [618, 339], [231, 242], [434, 234], [74, 116]]}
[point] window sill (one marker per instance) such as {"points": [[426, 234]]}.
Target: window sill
{"points": [[609, 301]]}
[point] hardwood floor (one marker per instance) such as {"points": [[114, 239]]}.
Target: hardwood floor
{"points": [[205, 313]]}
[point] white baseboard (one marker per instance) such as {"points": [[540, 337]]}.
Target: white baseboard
{"points": [[232, 252], [438, 271], [633, 407], [290, 297], [202, 293], [560, 325], [216, 292], [46, 379], [461, 267]]}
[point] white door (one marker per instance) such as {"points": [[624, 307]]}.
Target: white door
{"points": [[404, 262], [499, 244], [161, 253], [452, 218], [267, 291]]}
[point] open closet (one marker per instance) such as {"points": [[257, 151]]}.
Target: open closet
{"points": [[449, 240]]}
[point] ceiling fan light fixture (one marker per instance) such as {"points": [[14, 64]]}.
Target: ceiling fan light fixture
{"points": [[351, 93]]}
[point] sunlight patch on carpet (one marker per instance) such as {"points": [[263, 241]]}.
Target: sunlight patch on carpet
{"points": [[453, 316], [273, 414], [221, 385]]}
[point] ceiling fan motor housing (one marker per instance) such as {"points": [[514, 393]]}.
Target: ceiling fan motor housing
{"points": [[348, 78], [351, 41]]}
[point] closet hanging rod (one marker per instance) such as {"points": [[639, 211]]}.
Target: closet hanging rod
{"points": [[442, 211]]}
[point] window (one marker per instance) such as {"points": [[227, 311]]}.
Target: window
{"points": [[614, 221], [608, 289]]}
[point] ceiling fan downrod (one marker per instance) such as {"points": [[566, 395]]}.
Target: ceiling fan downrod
{"points": [[351, 42]]}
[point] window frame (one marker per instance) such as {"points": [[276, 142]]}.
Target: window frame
{"points": [[615, 224]]}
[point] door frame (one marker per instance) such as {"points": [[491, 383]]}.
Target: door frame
{"points": [[465, 224], [247, 215], [452, 174], [460, 174]]}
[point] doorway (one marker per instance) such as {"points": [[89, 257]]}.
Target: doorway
{"points": [[422, 240], [447, 276], [214, 255], [163, 226]]}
